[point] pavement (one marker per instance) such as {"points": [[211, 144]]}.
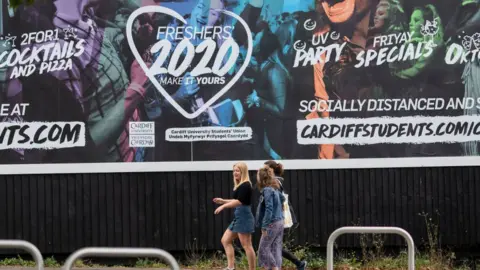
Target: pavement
{"points": [[85, 268]]}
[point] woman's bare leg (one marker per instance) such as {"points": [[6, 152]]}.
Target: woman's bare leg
{"points": [[227, 242], [246, 241]]}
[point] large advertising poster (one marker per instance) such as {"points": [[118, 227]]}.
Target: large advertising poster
{"points": [[156, 85]]}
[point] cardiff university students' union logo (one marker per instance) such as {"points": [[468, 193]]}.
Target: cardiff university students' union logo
{"points": [[162, 48]]}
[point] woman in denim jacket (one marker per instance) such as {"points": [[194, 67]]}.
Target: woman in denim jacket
{"points": [[270, 219], [278, 171]]}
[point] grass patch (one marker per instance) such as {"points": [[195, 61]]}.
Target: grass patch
{"points": [[371, 257], [51, 262], [343, 260], [148, 263], [17, 261]]}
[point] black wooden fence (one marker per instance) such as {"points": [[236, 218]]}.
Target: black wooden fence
{"points": [[61, 213]]}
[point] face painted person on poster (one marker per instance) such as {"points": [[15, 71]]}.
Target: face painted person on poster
{"points": [[341, 16]]}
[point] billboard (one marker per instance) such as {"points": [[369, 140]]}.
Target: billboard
{"points": [[154, 85]]}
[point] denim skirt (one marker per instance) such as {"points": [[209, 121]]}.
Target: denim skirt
{"points": [[243, 221]]}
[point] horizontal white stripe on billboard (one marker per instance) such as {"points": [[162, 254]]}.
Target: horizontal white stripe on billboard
{"points": [[41, 135], [193, 166], [389, 130]]}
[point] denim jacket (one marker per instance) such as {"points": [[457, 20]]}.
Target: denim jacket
{"points": [[269, 209]]}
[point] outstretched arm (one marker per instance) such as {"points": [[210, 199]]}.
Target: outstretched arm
{"points": [[229, 204], [232, 204]]}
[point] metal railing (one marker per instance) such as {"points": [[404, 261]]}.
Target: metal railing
{"points": [[120, 252], [26, 246], [371, 230]]}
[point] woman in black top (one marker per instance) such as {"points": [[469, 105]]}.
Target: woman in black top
{"points": [[243, 224]]}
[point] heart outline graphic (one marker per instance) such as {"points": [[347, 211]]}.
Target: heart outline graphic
{"points": [[163, 92]]}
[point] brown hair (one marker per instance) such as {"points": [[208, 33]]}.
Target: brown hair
{"points": [[276, 167], [266, 178]]}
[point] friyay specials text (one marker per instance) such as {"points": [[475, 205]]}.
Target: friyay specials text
{"points": [[175, 61], [398, 47]]}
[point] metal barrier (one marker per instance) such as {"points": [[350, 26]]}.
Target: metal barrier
{"points": [[120, 252], [371, 230], [26, 246]]}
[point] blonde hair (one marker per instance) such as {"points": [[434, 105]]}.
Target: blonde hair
{"points": [[244, 177], [266, 178]]}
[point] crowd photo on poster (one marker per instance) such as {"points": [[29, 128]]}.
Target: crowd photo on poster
{"points": [[88, 81]]}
